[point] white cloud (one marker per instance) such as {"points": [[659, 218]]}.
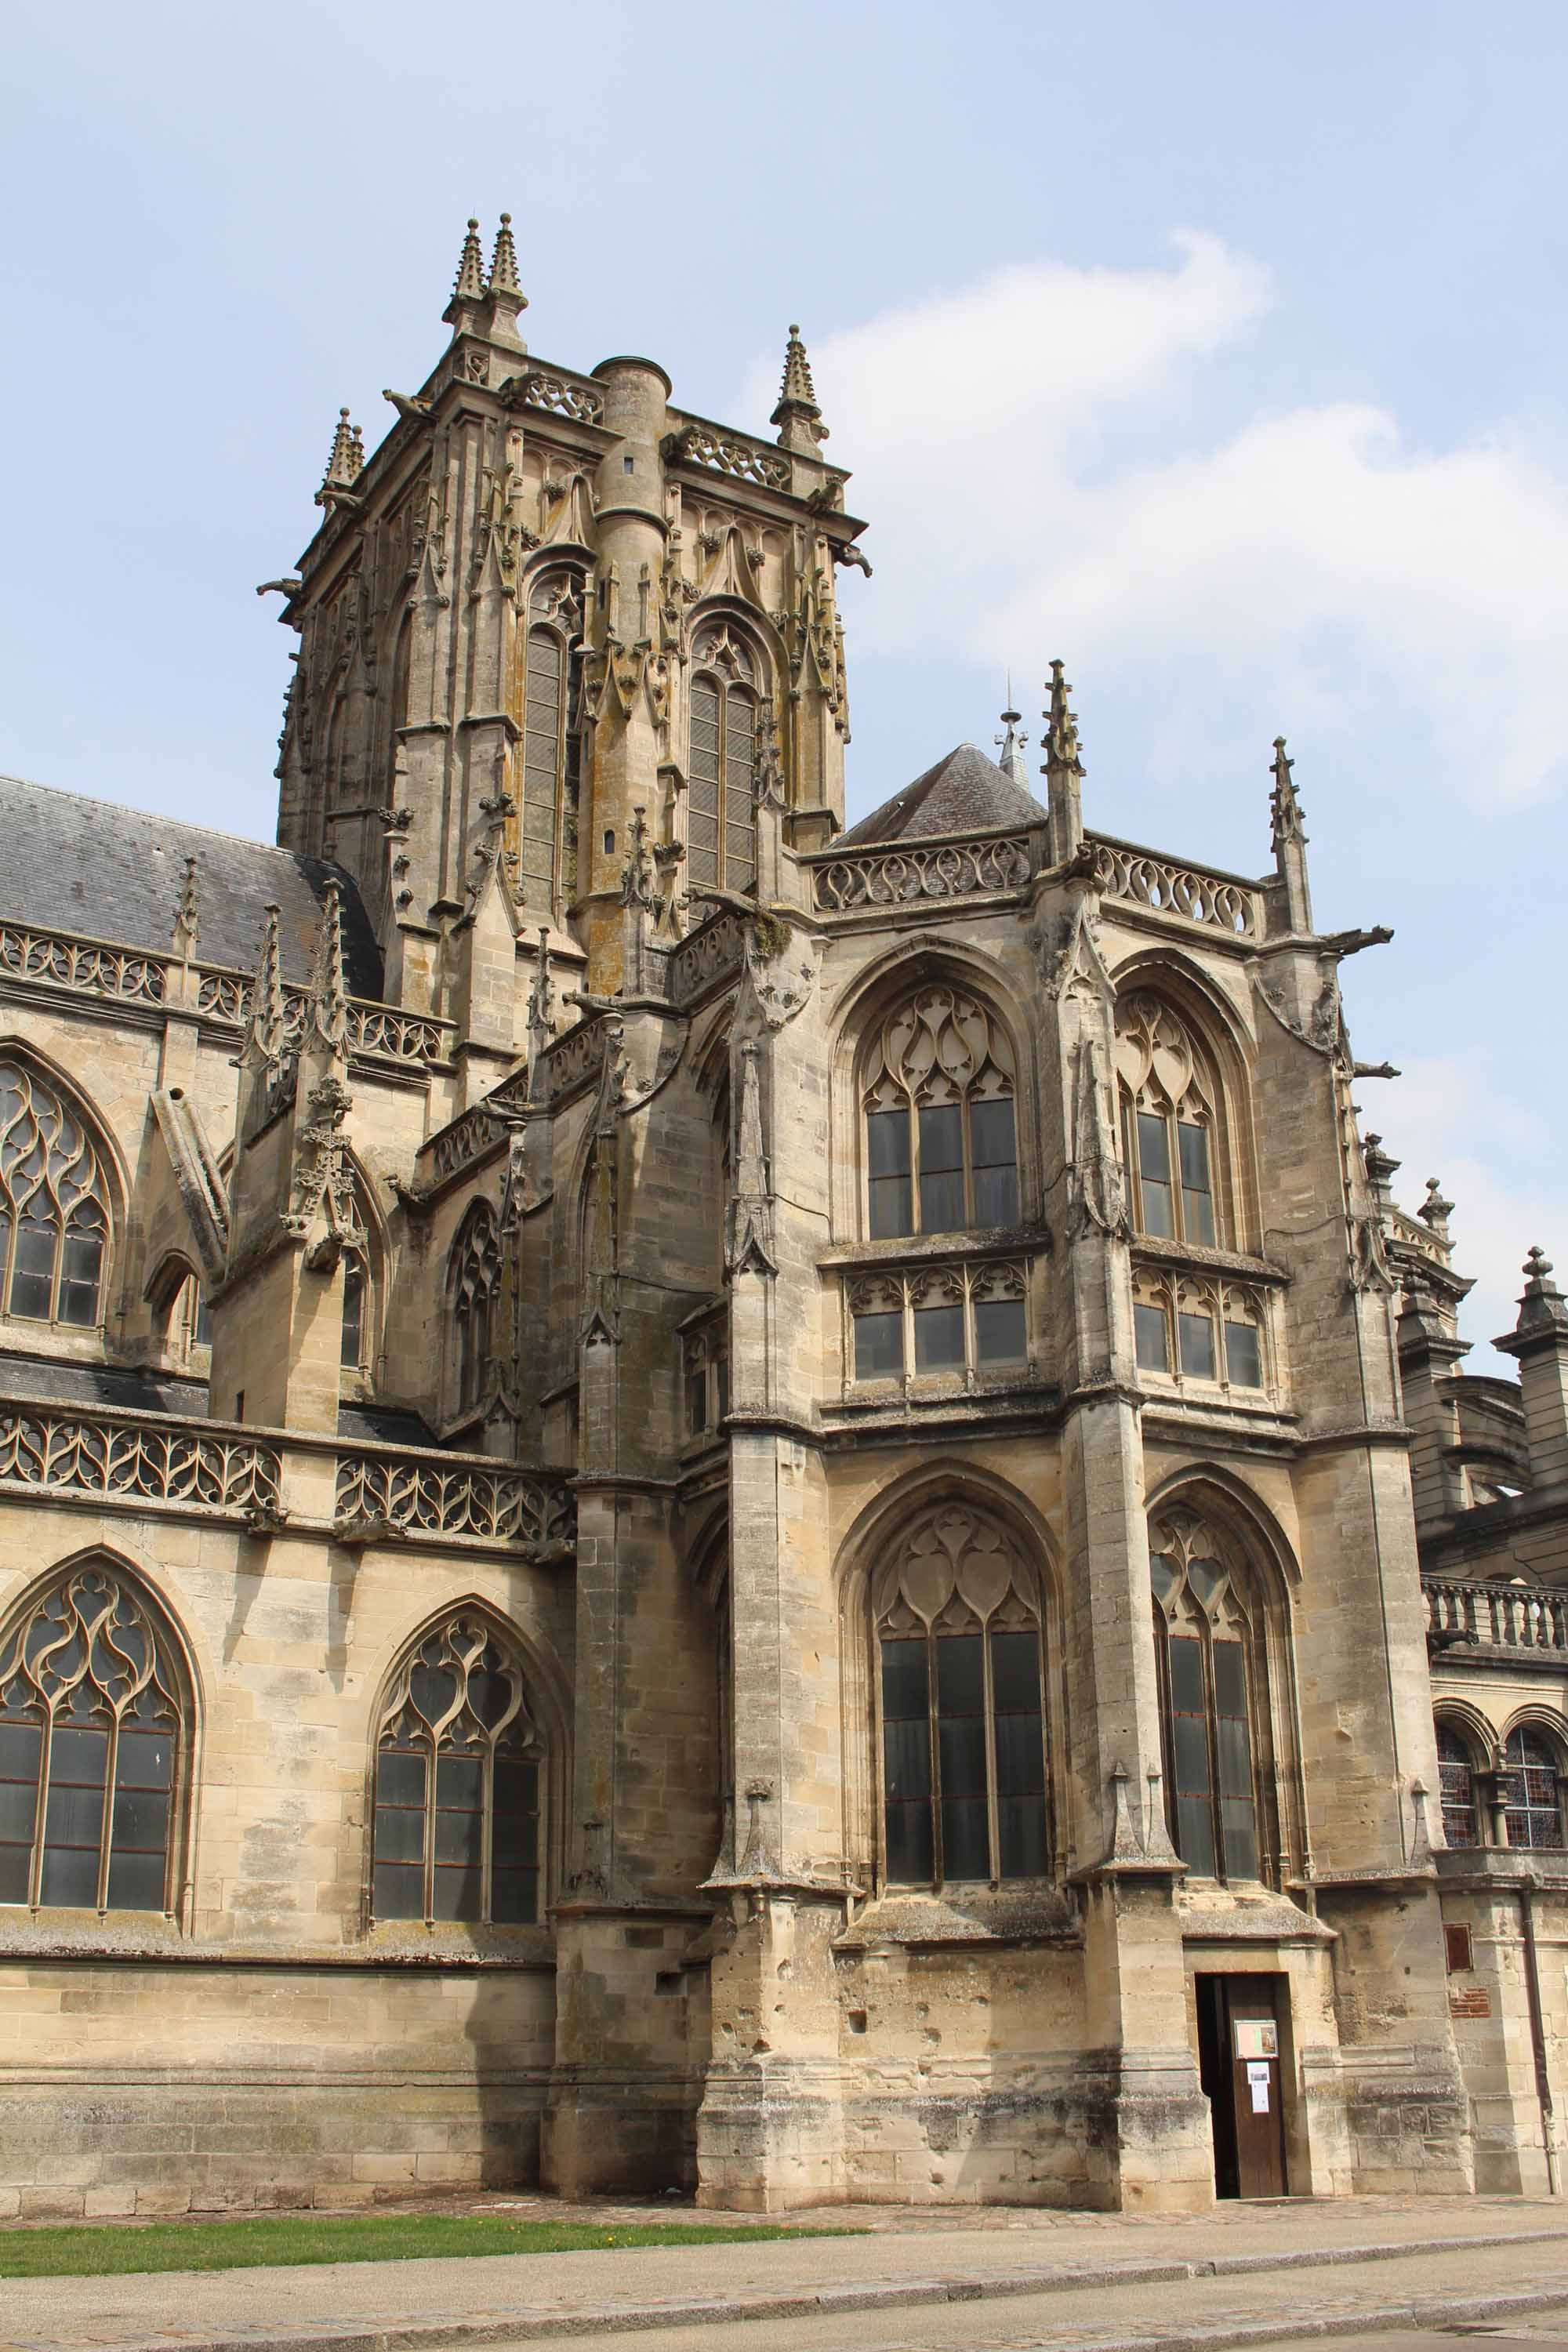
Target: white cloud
{"points": [[1345, 576]]}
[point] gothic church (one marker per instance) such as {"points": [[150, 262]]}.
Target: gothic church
{"points": [[693, 1499]]}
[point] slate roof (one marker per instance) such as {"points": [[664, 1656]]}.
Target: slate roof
{"points": [[43, 1380], [69, 864], [964, 792]]}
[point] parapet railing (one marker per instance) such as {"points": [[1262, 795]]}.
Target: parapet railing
{"points": [[1224, 902], [1496, 1616], [358, 1495], [135, 1458], [911, 873], [100, 968]]}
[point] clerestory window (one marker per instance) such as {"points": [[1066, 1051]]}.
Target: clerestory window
{"points": [[1169, 1113], [458, 1771], [942, 1152], [54, 1205], [960, 1646], [721, 767], [551, 742]]}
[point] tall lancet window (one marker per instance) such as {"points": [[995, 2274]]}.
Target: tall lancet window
{"points": [[941, 1153], [551, 741], [1212, 1672], [474, 1288], [721, 821], [957, 1621], [54, 1205], [1169, 1102]]}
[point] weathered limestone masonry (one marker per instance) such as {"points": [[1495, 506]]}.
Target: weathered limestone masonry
{"points": [[688, 1498]]}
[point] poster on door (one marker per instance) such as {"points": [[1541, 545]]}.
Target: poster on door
{"points": [[1258, 2084]]}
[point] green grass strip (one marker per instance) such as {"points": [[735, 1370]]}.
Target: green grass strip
{"points": [[103, 2248]]}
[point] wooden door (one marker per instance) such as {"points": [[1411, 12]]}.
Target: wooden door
{"points": [[1252, 2006]]}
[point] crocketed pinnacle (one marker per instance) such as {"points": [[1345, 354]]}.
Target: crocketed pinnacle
{"points": [[329, 1013], [343, 465], [469, 286], [797, 413], [187, 923], [1063, 750], [266, 1037], [503, 277], [1284, 808]]}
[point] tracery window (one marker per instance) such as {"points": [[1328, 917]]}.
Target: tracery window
{"points": [[721, 768], [458, 1769], [957, 1622], [93, 1716], [1196, 1329], [1169, 1117], [1532, 1807], [54, 1205], [942, 1152], [1456, 1785], [1212, 1689], [551, 741], [474, 1289]]}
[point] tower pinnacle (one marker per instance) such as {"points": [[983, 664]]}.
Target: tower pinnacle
{"points": [[503, 277], [1063, 771], [797, 413], [468, 286]]}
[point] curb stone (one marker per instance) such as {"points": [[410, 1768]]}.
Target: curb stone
{"points": [[531, 2325]]}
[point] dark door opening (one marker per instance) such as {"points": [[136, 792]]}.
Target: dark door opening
{"points": [[1238, 2068]]}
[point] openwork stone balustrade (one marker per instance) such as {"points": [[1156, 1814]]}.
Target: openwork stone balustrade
{"points": [[1217, 900], [379, 1033], [139, 1459], [729, 453], [905, 876], [567, 394], [1497, 1616], [420, 1494]]}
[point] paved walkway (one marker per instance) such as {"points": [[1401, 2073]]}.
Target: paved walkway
{"points": [[1075, 2279]]}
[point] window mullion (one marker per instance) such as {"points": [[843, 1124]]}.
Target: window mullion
{"points": [[916, 1222], [1173, 1154], [430, 1834], [966, 1145], [939, 1865], [106, 1826], [988, 1701], [487, 1832], [1211, 1717], [40, 1818]]}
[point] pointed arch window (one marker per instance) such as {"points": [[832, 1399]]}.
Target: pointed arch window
{"points": [[957, 1624], [54, 1205], [551, 741], [473, 1290], [1211, 1674], [94, 1715], [1456, 1784], [1530, 1797], [721, 768], [942, 1152], [1170, 1100], [459, 1783], [359, 1301]]}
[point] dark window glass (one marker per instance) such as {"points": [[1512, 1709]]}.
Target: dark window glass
{"points": [[697, 1398], [81, 1263], [721, 1383], [1155, 1174], [1243, 1357], [891, 1193], [961, 1733], [999, 1335], [942, 1169], [1232, 1746], [354, 1312], [1192, 1786], [1153, 1336], [1020, 1756], [906, 1741], [879, 1345], [1195, 1335], [939, 1338], [993, 1145], [1455, 1778], [1197, 1199], [33, 1272]]}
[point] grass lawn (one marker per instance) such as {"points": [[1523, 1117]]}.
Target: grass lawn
{"points": [[103, 2248]]}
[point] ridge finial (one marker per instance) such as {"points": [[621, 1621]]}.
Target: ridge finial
{"points": [[1012, 743], [797, 413]]}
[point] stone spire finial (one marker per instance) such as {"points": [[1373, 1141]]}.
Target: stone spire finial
{"points": [[1063, 771], [1435, 1211], [1012, 744], [503, 277], [265, 1033], [1284, 808], [187, 925], [343, 465], [470, 283], [1543, 1307], [797, 413], [329, 994]]}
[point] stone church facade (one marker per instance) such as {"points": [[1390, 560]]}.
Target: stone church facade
{"points": [[692, 1499]]}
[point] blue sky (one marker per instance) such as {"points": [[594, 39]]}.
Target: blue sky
{"points": [[1217, 349]]}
